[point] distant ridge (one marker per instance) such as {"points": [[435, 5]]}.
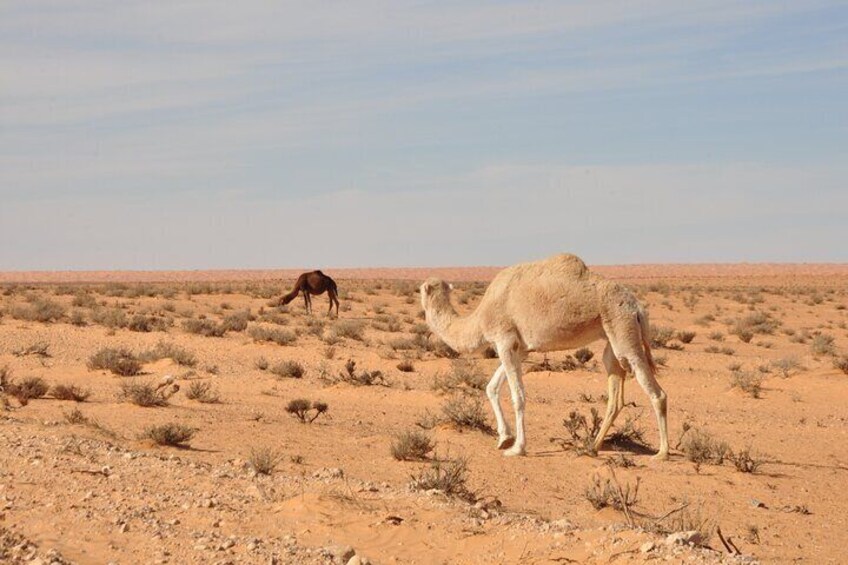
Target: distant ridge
{"points": [[717, 271]]}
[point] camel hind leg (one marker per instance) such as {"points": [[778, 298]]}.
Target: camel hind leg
{"points": [[615, 394], [493, 390], [629, 347]]}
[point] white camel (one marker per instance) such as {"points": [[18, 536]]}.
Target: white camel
{"points": [[551, 305]]}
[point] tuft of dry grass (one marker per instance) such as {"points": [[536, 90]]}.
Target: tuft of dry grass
{"points": [[119, 361], [274, 335], [447, 476], [70, 392], [36, 349], [361, 378], [263, 460], [206, 328], [685, 336], [748, 382], [841, 363], [171, 351], [465, 412], [581, 432], [406, 366], [42, 310], [464, 376], [413, 445], [24, 390], [142, 394], [288, 370], [203, 392], [822, 344], [602, 493], [172, 434]]}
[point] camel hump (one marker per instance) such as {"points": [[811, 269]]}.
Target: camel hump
{"points": [[569, 265]]}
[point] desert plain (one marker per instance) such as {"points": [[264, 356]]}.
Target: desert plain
{"points": [[170, 417]]}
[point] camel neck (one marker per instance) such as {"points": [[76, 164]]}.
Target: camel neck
{"points": [[460, 333]]}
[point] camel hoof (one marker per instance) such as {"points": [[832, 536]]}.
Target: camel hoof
{"points": [[515, 451], [661, 456], [506, 442]]}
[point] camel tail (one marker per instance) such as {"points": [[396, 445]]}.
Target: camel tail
{"points": [[645, 331]]}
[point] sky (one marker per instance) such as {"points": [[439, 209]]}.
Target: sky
{"points": [[255, 134]]}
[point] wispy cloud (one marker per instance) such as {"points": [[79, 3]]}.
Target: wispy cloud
{"points": [[208, 117]]}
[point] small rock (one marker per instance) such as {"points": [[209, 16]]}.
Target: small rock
{"points": [[692, 536], [647, 547], [124, 528]]}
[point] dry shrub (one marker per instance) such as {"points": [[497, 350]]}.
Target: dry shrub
{"points": [[406, 366], [822, 344], [411, 445], [583, 355], [109, 317], [274, 335], [602, 493], [629, 436], [755, 323], [263, 460], [748, 382], [36, 349], [236, 322], [202, 391], [350, 329], [206, 328], [42, 310], [581, 432], [466, 412], [447, 476], [288, 370], [786, 365], [685, 336], [76, 416], [303, 409], [119, 361], [142, 394], [361, 378], [701, 447], [70, 392], [746, 461], [841, 363], [464, 376], [25, 390], [173, 434], [142, 323], [661, 335], [172, 351], [261, 363]]}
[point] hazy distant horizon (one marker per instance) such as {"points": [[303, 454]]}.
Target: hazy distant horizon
{"points": [[228, 136]]}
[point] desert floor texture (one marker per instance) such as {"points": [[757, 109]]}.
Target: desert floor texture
{"points": [[752, 358]]}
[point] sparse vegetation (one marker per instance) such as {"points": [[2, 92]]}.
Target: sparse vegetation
{"points": [[172, 351], [288, 370], [747, 381], [413, 445], [685, 336], [263, 460], [841, 363], [202, 391], [142, 394], [70, 392], [305, 410], [119, 361], [275, 335], [447, 476], [466, 412], [463, 376], [172, 434], [823, 344], [361, 378], [581, 432]]}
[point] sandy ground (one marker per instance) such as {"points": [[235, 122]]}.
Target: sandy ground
{"points": [[96, 493]]}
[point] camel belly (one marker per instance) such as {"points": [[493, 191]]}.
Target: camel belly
{"points": [[558, 338]]}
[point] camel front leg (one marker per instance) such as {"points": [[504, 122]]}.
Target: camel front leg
{"points": [[511, 361], [493, 391]]}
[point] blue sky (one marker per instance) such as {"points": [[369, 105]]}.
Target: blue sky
{"points": [[173, 135]]}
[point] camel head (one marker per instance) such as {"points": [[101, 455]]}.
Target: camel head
{"points": [[286, 299], [435, 293]]}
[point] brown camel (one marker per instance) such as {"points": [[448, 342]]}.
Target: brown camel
{"points": [[314, 282]]}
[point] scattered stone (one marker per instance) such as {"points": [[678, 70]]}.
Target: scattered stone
{"points": [[647, 547], [683, 538]]}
